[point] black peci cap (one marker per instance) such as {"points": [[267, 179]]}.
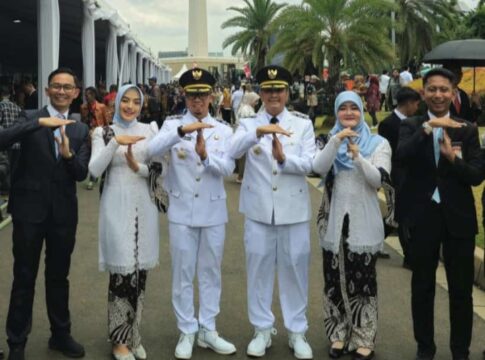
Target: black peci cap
{"points": [[274, 77], [197, 81]]}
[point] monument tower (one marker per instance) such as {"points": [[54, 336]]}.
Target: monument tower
{"points": [[198, 29]]}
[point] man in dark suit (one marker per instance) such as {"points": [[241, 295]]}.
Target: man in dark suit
{"points": [[460, 106], [442, 160], [54, 155], [407, 105]]}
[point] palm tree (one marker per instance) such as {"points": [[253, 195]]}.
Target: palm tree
{"points": [[418, 23], [344, 32], [255, 19]]}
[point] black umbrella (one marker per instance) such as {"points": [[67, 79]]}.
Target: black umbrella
{"points": [[469, 53]]}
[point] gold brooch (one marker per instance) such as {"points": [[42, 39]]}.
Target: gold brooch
{"points": [[272, 73], [197, 74], [181, 154], [257, 150]]}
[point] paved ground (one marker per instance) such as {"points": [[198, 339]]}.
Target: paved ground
{"points": [[89, 292]]}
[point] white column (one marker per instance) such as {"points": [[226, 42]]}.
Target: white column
{"points": [[133, 63], [198, 44], [124, 74], [88, 46], [112, 57], [139, 76], [48, 34], [146, 74]]}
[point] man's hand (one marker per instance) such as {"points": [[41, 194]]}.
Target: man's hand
{"points": [[271, 129], [346, 133], [130, 159], [198, 125], [278, 153], [446, 149], [200, 145], [63, 143], [53, 122], [128, 139], [445, 122]]}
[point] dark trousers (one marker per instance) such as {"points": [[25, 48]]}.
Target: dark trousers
{"points": [[424, 249], [403, 234], [28, 239]]}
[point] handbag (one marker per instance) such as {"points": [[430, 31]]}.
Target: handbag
{"points": [[108, 134], [158, 194]]}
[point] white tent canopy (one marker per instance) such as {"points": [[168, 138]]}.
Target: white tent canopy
{"points": [[179, 74]]}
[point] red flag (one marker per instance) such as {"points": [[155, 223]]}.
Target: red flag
{"points": [[247, 70]]}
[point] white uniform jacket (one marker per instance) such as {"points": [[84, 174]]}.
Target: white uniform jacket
{"points": [[270, 189], [195, 187]]}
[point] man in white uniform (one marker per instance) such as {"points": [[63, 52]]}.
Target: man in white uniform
{"points": [[199, 159], [279, 147]]}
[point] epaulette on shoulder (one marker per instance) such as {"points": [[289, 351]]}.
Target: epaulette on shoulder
{"points": [[224, 122], [299, 114], [174, 117]]}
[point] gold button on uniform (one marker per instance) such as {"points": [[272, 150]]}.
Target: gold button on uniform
{"points": [[196, 195], [275, 188], [275, 172], [197, 178]]}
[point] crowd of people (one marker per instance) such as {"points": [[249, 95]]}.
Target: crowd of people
{"points": [[426, 164]]}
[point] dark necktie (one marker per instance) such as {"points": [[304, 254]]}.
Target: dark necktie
{"points": [[274, 120]]}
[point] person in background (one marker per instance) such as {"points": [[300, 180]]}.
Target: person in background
{"points": [[354, 164], [461, 106], [31, 100], [383, 85], [109, 101], [226, 105], [128, 220], [393, 88], [407, 104], [372, 97]]}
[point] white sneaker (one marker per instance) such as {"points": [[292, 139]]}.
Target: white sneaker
{"points": [[211, 339], [261, 341], [128, 356], [300, 346], [184, 347], [139, 352]]}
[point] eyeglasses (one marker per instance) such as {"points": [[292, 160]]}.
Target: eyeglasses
{"points": [[194, 96], [65, 87], [273, 90]]}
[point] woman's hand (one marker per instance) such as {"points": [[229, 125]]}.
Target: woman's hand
{"points": [[130, 159], [128, 139], [353, 149], [346, 133]]}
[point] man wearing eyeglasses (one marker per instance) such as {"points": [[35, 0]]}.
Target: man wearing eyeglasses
{"points": [[198, 146], [54, 154], [279, 147]]}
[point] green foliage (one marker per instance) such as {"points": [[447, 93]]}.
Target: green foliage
{"points": [[418, 22], [344, 32], [255, 20]]}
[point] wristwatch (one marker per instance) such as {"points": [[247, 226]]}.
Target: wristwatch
{"points": [[427, 128]]}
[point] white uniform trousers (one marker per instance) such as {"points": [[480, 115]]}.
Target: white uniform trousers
{"points": [[285, 248], [194, 248]]}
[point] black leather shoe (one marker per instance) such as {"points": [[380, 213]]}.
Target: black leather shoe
{"points": [[424, 356], [359, 356], [16, 354], [67, 346], [335, 353]]}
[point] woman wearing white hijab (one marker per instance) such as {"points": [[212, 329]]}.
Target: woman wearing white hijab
{"points": [[128, 219], [353, 163]]}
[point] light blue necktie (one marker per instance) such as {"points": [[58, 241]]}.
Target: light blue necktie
{"points": [[57, 133], [437, 136]]}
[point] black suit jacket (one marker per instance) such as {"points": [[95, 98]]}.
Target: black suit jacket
{"points": [[416, 153], [42, 182], [31, 101]]}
